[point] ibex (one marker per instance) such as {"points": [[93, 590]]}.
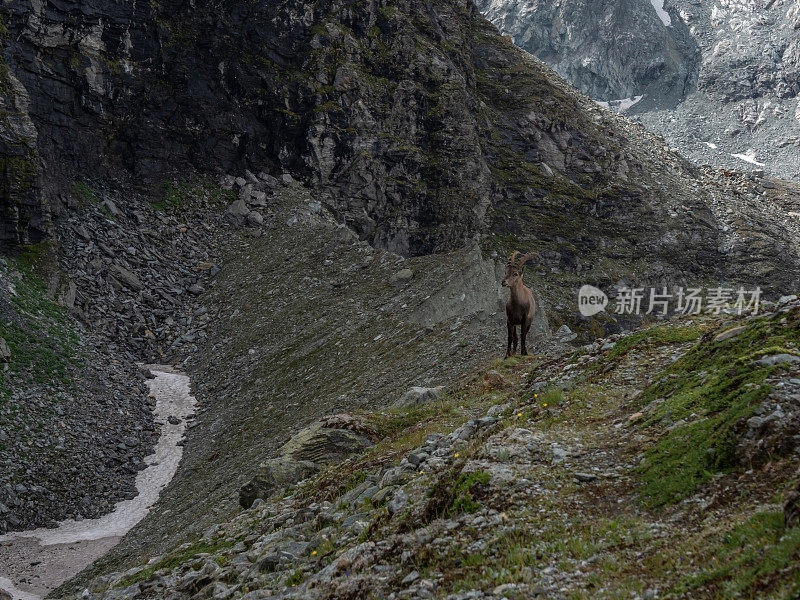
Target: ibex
{"points": [[521, 306]]}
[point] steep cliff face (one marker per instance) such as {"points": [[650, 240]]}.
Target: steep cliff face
{"points": [[24, 218], [718, 79]]}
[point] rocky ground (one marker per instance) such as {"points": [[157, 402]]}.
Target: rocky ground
{"points": [[648, 465], [423, 147], [744, 113], [261, 373], [75, 420], [77, 315]]}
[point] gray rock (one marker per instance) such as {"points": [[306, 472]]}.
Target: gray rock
{"points": [[730, 333], [398, 502], [410, 578], [302, 456], [563, 331], [111, 208], [497, 410], [402, 277], [254, 219], [417, 396], [418, 457], [125, 277], [5, 351], [776, 359], [237, 211]]}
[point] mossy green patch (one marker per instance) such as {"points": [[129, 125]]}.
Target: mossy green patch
{"points": [[43, 346], [702, 397], [174, 195], [83, 193], [455, 494], [654, 336]]}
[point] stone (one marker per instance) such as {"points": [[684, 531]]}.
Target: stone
{"points": [[304, 454], [196, 289], [126, 277], [585, 477], [111, 208], [410, 578], [730, 333], [418, 396], [398, 502], [418, 457], [5, 351], [402, 277], [776, 359], [258, 198], [565, 334], [498, 410], [287, 179], [254, 219], [237, 211]]}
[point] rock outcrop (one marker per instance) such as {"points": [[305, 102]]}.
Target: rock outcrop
{"points": [[326, 442]]}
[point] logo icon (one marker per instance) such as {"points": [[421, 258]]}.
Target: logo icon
{"points": [[591, 300]]}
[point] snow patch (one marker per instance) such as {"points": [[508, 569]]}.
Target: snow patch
{"points": [[6, 585], [749, 156], [620, 106], [711, 145], [662, 14], [173, 399]]}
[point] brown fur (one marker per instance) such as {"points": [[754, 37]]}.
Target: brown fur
{"points": [[521, 307]]}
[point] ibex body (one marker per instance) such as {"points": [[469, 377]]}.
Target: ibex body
{"points": [[521, 307]]}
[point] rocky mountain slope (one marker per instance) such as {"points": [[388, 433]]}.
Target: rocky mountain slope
{"points": [[305, 205], [719, 80], [652, 465]]}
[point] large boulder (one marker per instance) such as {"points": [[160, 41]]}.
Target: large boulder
{"points": [[417, 396], [326, 442]]}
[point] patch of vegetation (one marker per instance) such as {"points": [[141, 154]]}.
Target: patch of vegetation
{"points": [[296, 578], [455, 495], [174, 195], [755, 554], [43, 346], [174, 559], [703, 396], [84, 193], [652, 337]]}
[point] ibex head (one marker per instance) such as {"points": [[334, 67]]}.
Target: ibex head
{"points": [[515, 267]]}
